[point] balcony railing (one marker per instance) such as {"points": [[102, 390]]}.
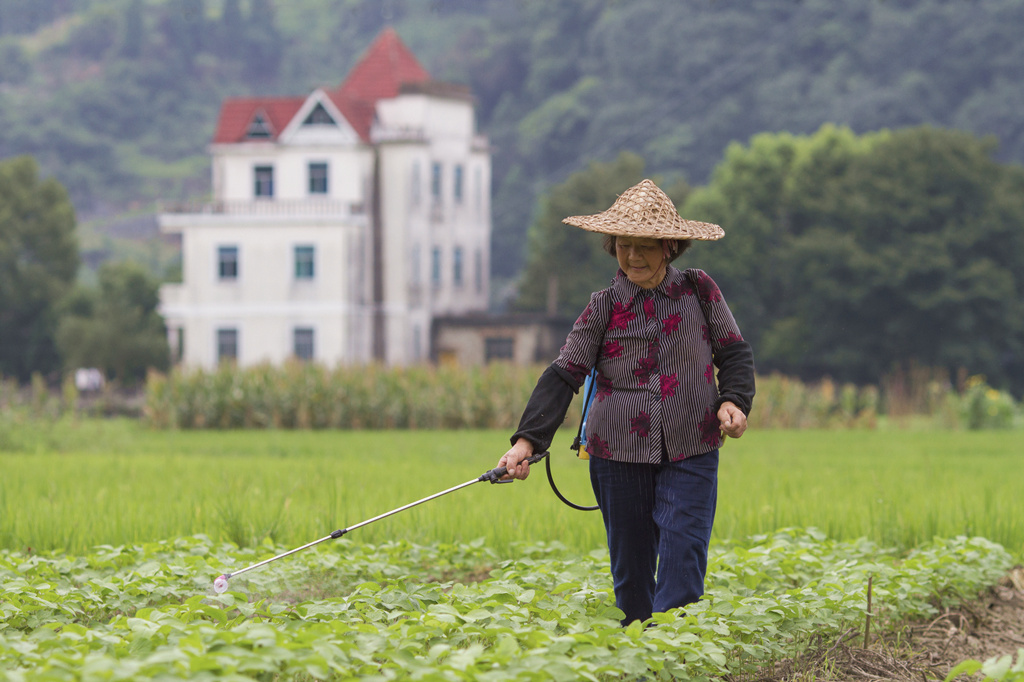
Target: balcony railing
{"points": [[269, 207]]}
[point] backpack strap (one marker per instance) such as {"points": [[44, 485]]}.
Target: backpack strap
{"points": [[588, 397], [692, 275]]}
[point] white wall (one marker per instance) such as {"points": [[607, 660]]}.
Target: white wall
{"points": [[436, 118], [266, 301], [349, 171]]}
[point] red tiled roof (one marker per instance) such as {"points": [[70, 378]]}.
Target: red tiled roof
{"points": [[386, 65], [359, 113], [384, 68], [237, 113]]}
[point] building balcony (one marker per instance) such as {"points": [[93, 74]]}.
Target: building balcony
{"points": [[379, 134], [269, 207], [174, 216]]}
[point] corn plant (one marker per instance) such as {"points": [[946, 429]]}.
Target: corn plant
{"points": [[310, 396]]}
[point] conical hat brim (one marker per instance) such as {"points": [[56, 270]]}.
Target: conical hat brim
{"points": [[645, 211]]}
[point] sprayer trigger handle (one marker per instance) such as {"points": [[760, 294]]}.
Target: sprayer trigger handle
{"points": [[494, 475]]}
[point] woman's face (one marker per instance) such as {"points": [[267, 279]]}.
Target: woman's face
{"points": [[642, 259]]}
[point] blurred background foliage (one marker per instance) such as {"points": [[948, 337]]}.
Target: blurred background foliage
{"points": [[864, 158], [848, 255], [118, 98]]}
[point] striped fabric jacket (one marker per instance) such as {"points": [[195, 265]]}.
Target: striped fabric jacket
{"points": [[655, 352]]}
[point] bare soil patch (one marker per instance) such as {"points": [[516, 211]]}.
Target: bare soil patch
{"points": [[992, 625]]}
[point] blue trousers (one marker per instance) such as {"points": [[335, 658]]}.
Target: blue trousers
{"points": [[658, 518]]}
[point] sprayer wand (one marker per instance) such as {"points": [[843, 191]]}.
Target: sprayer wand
{"points": [[493, 476]]}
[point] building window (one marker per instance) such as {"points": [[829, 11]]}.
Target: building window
{"points": [[227, 262], [258, 128], [435, 182], [478, 270], [457, 266], [264, 186], [318, 178], [499, 348], [304, 257], [457, 189], [318, 116], [435, 266], [303, 343], [227, 344]]}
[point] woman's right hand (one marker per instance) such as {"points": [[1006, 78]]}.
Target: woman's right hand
{"points": [[515, 462]]}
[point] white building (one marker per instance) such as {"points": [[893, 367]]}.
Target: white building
{"points": [[341, 225]]}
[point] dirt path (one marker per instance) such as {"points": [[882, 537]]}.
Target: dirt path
{"points": [[921, 651], [991, 626]]}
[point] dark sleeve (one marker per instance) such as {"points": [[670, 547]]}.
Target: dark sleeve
{"points": [[546, 408], [735, 364]]}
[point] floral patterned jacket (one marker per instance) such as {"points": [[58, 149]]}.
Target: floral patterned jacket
{"points": [[655, 352]]}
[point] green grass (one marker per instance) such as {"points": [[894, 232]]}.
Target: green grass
{"points": [[78, 484]]}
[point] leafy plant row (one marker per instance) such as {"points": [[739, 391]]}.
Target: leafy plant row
{"points": [[402, 611]]}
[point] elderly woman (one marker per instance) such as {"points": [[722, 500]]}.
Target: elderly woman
{"points": [[655, 337]]}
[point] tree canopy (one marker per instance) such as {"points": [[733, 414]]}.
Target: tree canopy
{"points": [[677, 81], [38, 264], [847, 255], [115, 327]]}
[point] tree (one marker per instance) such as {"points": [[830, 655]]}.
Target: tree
{"points": [[133, 34], [25, 16], [184, 25], [14, 66], [568, 262], [38, 263], [90, 40], [229, 30], [264, 46], [764, 195], [115, 328], [848, 255], [943, 279]]}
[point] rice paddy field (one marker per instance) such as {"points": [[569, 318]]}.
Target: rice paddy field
{"points": [[111, 535], [76, 484]]}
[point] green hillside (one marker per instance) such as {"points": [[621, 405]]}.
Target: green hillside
{"points": [[118, 98]]}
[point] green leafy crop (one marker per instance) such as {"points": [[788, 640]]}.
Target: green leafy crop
{"points": [[448, 612]]}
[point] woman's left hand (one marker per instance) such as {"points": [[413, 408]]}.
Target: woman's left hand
{"points": [[733, 421]]}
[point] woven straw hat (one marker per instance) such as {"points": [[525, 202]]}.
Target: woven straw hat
{"points": [[644, 210]]}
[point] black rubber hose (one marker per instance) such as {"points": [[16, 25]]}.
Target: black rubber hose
{"points": [[560, 496]]}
